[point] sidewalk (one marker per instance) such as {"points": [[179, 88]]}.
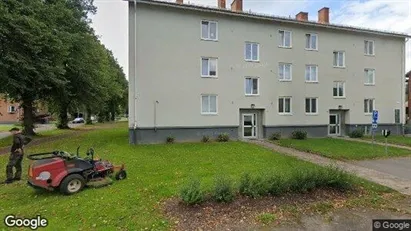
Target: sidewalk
{"points": [[396, 183]]}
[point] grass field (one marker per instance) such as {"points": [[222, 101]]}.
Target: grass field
{"points": [[44, 134], [392, 139], [155, 173], [342, 149], [7, 127]]}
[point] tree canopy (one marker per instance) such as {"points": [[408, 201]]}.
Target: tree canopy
{"points": [[51, 53]]}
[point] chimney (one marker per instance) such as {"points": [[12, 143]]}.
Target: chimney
{"points": [[302, 16], [324, 15], [221, 4], [237, 5], [179, 1]]}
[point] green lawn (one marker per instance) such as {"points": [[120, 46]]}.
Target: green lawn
{"points": [[393, 139], [7, 127], [342, 149], [44, 134], [155, 173]]}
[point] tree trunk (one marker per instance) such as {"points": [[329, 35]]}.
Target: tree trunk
{"points": [[28, 117], [88, 117], [63, 118]]}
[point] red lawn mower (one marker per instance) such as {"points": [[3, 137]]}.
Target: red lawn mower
{"points": [[70, 173]]}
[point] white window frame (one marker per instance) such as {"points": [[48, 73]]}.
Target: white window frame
{"points": [[343, 64], [9, 109], [316, 73], [209, 104], [366, 76], [258, 86], [343, 87], [305, 106], [208, 63], [283, 98], [252, 51], [282, 65], [282, 41], [366, 50], [316, 42], [368, 111], [209, 28]]}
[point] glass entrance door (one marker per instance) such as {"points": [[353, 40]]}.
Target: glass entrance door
{"points": [[249, 125], [334, 124]]}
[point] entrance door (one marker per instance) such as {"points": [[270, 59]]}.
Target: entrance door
{"points": [[334, 125], [249, 125]]}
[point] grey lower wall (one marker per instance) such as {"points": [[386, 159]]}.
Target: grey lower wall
{"points": [[396, 129], [312, 130], [151, 136]]}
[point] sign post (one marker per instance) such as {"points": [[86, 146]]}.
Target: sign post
{"points": [[374, 124], [386, 133]]}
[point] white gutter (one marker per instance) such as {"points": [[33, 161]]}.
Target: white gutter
{"points": [[135, 65], [403, 73]]}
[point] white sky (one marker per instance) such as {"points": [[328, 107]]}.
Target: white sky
{"points": [[111, 21]]}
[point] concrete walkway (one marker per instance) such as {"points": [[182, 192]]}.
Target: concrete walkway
{"points": [[399, 184], [377, 143]]}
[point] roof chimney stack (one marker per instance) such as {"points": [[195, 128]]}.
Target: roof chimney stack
{"points": [[237, 5], [302, 16], [221, 4], [324, 15], [179, 1]]}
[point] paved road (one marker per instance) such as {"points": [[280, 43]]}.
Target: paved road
{"points": [[40, 128], [400, 167]]}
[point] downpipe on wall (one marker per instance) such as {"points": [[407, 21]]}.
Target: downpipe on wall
{"points": [[155, 115]]}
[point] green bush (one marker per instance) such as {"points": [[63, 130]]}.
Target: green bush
{"points": [[223, 189], [357, 133], [205, 139], [299, 135], [275, 136], [170, 139], [191, 192], [253, 186], [223, 137], [277, 184], [335, 177]]}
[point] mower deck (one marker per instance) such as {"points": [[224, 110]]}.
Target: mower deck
{"points": [[99, 182]]}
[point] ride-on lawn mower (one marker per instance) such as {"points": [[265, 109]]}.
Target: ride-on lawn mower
{"points": [[70, 173]]}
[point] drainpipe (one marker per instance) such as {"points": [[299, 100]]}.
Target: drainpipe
{"points": [[155, 115], [135, 69], [404, 115]]}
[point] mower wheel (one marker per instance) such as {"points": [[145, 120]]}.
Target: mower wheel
{"points": [[72, 184], [121, 175]]}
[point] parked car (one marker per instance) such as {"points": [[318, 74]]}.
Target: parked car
{"points": [[78, 121]]}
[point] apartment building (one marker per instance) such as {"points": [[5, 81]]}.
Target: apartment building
{"points": [[9, 112], [196, 71]]}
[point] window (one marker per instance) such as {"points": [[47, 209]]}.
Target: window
{"points": [[209, 30], [368, 47], [284, 105], [368, 105], [208, 67], [285, 38], [339, 89], [284, 72], [311, 73], [251, 86], [209, 104], [311, 105], [339, 59], [252, 51], [12, 109], [311, 42], [369, 75]]}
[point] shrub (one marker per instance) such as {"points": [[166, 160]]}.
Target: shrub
{"points": [[277, 184], [253, 186], [223, 189], [223, 137], [275, 136], [191, 192], [170, 139], [205, 139], [302, 181], [357, 133], [299, 135], [335, 177]]}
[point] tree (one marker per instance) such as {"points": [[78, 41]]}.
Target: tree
{"points": [[32, 51]]}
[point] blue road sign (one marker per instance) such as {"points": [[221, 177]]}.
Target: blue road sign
{"points": [[374, 126], [375, 115]]}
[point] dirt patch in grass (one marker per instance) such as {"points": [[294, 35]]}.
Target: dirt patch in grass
{"points": [[247, 212]]}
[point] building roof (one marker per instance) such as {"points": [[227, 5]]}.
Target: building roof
{"points": [[260, 16]]}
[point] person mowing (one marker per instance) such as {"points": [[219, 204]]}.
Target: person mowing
{"points": [[16, 155]]}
